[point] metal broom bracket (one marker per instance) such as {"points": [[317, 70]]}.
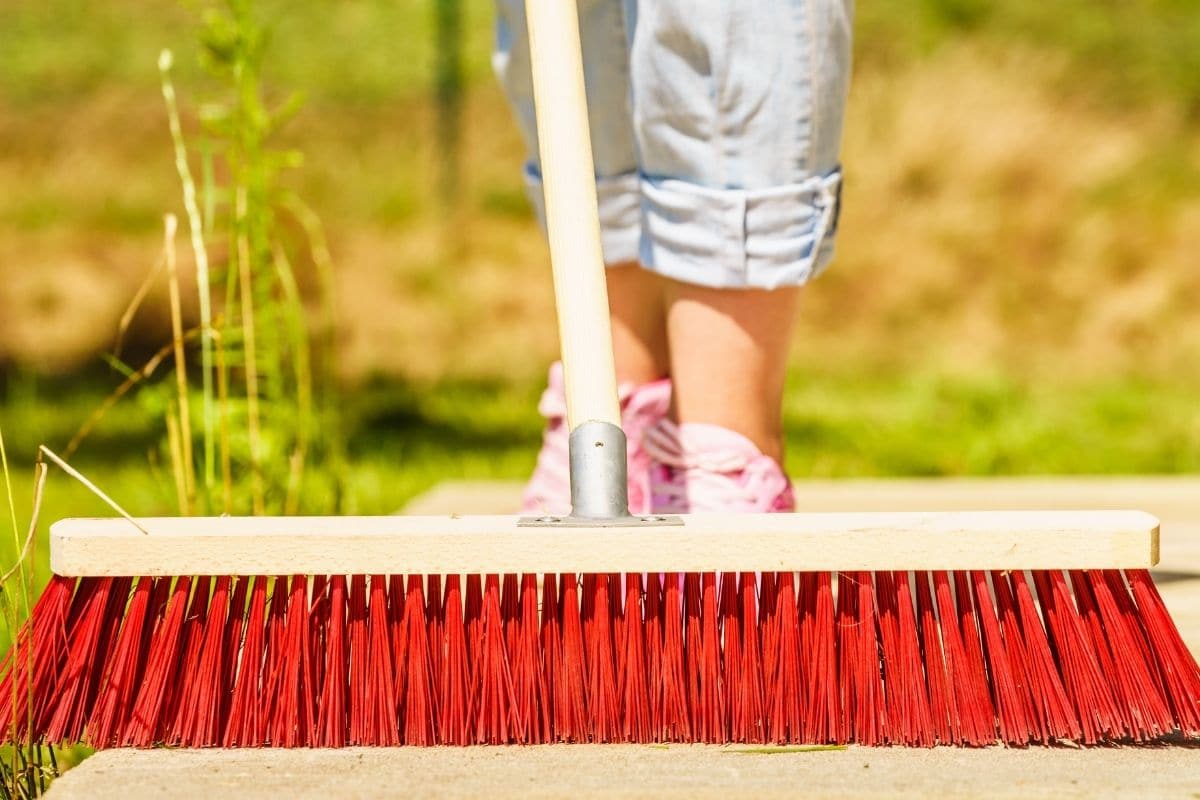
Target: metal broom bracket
{"points": [[599, 483]]}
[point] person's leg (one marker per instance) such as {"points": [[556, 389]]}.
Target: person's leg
{"points": [[637, 305], [737, 112], [729, 355]]}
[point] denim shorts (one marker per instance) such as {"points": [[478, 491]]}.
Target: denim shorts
{"points": [[715, 126]]}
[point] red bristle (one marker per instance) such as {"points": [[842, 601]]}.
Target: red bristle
{"points": [[768, 632], [358, 701], [691, 652], [863, 711], [291, 708], [318, 622], [162, 668], [874, 724], [709, 718], [889, 641], [784, 690], [972, 708], [90, 641], [492, 699], [199, 723], [847, 647], [616, 599], [246, 726], [276, 635], [550, 635], [1120, 591], [454, 701], [968, 724], [380, 724], [571, 720], [1085, 683], [633, 684], [943, 711], [1018, 661], [1141, 707], [474, 623], [122, 591], [603, 702], [1010, 703], [116, 698], [434, 623], [818, 659], [31, 666], [510, 613], [917, 711], [972, 639], [1049, 696], [233, 640], [749, 724], [331, 728], [529, 676], [652, 632], [178, 698], [510, 610], [417, 701], [674, 724], [1180, 674], [1093, 631], [399, 640], [1116, 604], [730, 645]]}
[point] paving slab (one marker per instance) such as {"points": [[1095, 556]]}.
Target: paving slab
{"points": [[692, 771], [707, 771]]}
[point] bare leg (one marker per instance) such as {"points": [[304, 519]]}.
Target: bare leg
{"points": [[636, 304], [728, 356]]}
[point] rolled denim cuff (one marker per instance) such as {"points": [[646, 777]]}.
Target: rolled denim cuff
{"points": [[736, 238], [619, 204]]}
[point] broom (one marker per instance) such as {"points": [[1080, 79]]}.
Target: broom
{"points": [[915, 629]]}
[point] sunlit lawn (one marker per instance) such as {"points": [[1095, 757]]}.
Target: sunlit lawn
{"points": [[403, 439]]}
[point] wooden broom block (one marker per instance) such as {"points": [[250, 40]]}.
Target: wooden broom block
{"points": [[1002, 540]]}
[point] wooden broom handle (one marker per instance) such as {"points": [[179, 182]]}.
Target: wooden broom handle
{"points": [[572, 218]]}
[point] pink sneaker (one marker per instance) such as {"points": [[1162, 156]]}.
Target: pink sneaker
{"points": [[699, 468], [549, 489]]}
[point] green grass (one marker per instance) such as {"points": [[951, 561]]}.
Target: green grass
{"points": [[372, 51], [937, 425], [361, 51], [1124, 53], [404, 438]]}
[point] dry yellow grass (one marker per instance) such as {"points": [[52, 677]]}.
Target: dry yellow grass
{"points": [[994, 221]]}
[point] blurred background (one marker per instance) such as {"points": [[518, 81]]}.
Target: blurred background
{"points": [[1016, 290]]}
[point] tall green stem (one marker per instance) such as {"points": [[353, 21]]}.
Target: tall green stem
{"points": [[196, 227]]}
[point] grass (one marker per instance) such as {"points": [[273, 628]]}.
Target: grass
{"points": [[1021, 183], [775, 751], [404, 438]]}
